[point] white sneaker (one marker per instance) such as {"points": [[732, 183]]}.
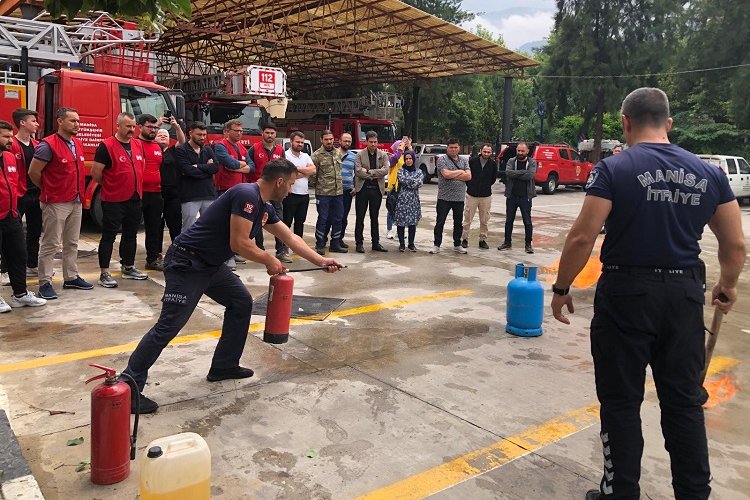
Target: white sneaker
{"points": [[459, 249], [4, 279], [389, 234], [29, 299], [435, 250], [4, 307]]}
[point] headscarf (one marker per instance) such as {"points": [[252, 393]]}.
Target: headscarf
{"points": [[410, 152]]}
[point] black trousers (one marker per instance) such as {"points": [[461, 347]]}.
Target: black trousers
{"points": [[295, 211], [645, 317], [125, 214], [28, 206], [369, 197], [187, 279], [512, 203], [347, 208], [172, 216], [13, 247], [153, 207], [412, 233], [443, 207]]}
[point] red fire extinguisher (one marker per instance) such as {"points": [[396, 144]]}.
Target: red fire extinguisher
{"points": [[279, 309], [112, 446]]}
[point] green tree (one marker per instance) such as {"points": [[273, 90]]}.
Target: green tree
{"points": [[447, 10], [715, 33], [149, 12], [592, 38]]}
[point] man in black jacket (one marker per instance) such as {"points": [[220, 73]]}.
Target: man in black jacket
{"points": [[479, 194], [170, 185], [519, 191], [195, 162]]}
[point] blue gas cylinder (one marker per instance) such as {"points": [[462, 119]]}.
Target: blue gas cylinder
{"points": [[525, 309]]}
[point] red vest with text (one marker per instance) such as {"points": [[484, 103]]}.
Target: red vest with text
{"points": [[9, 186], [260, 158], [17, 151], [125, 176], [226, 177], [64, 176], [152, 170]]}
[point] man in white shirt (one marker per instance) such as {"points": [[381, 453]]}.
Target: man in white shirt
{"points": [[297, 201]]}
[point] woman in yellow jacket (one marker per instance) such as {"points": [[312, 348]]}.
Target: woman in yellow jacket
{"points": [[396, 161]]}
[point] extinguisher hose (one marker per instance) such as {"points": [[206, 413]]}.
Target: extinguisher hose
{"points": [[134, 437]]}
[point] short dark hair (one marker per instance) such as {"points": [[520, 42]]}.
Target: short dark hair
{"points": [[296, 134], [325, 133], [62, 113], [452, 140], [5, 125], [646, 106], [146, 118], [486, 145], [197, 125], [271, 125], [370, 134], [21, 114], [524, 143], [280, 167]]}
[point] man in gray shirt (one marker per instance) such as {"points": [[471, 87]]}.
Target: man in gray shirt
{"points": [[453, 172]]}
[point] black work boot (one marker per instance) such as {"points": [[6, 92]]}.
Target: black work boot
{"points": [[215, 375], [147, 405]]}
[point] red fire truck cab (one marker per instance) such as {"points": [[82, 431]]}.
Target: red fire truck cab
{"points": [[98, 100]]}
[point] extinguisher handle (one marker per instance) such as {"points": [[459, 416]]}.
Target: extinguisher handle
{"points": [[101, 375], [108, 372]]}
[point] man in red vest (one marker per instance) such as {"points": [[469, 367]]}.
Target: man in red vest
{"points": [[22, 148], [258, 155], [118, 167], [11, 231], [230, 155], [58, 170], [152, 203], [233, 169]]}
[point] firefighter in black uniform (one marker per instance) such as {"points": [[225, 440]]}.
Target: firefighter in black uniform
{"points": [[656, 199], [195, 265]]}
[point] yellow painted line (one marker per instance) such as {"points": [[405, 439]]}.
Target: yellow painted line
{"points": [[480, 461], [198, 337]]}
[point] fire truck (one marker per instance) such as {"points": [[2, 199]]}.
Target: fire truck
{"points": [[357, 116], [251, 95], [118, 55], [258, 94]]}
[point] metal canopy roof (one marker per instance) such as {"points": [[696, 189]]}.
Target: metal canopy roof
{"points": [[334, 43]]}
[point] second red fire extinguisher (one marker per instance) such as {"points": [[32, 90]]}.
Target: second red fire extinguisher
{"points": [[112, 446], [279, 309]]}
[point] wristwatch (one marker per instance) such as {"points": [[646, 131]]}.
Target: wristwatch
{"points": [[560, 291]]}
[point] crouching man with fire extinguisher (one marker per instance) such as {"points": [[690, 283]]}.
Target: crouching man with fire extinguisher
{"points": [[194, 265]]}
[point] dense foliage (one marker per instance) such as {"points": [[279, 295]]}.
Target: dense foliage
{"points": [[659, 39]]}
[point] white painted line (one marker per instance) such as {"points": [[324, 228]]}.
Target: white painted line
{"points": [[21, 488]]}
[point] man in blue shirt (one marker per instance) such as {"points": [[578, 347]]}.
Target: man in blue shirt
{"points": [[347, 180], [195, 265], [656, 199]]}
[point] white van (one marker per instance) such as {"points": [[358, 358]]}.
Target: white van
{"points": [[737, 170]]}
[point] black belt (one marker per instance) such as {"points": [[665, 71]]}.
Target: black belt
{"points": [[184, 250], [697, 273]]}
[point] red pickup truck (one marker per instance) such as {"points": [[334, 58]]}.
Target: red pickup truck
{"points": [[559, 164]]}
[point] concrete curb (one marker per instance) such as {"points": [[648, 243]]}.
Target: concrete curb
{"points": [[17, 481]]}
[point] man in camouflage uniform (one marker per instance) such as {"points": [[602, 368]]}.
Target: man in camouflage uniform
{"points": [[329, 195]]}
